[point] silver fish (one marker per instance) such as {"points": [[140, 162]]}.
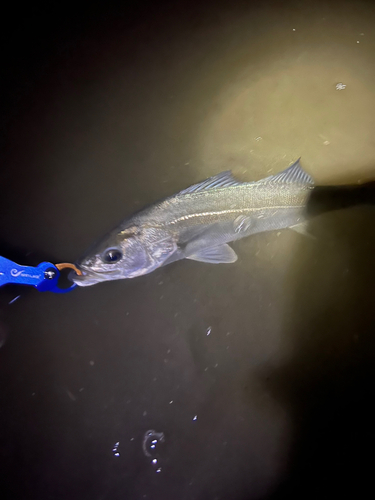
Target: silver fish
{"points": [[198, 223]]}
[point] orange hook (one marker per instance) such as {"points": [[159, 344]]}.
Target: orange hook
{"points": [[65, 265]]}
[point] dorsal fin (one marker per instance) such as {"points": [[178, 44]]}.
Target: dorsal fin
{"points": [[291, 175], [224, 179]]}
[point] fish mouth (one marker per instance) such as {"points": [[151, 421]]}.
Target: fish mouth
{"points": [[90, 277]]}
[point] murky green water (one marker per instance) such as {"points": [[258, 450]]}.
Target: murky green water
{"points": [[257, 378]]}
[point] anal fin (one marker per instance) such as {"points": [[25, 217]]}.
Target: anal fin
{"points": [[301, 228], [222, 254]]}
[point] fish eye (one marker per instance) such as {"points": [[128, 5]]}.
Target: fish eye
{"points": [[112, 255]]}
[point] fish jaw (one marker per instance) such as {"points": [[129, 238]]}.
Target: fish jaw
{"points": [[89, 277]]}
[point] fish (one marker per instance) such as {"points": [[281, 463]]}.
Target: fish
{"points": [[197, 224]]}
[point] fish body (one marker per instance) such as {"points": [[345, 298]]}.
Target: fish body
{"points": [[198, 223]]}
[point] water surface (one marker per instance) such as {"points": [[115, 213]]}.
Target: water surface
{"points": [[105, 112]]}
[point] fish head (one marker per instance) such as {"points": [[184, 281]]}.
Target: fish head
{"points": [[127, 253]]}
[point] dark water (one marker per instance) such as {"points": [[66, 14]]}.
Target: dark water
{"points": [[251, 381]]}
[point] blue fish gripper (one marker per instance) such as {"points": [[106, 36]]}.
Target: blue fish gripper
{"points": [[44, 277]]}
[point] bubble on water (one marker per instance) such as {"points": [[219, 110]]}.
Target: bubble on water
{"points": [[151, 442], [115, 449], [151, 446], [195, 417], [340, 85]]}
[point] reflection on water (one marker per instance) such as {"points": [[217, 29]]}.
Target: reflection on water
{"points": [[259, 373]]}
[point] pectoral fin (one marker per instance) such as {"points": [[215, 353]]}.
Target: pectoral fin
{"points": [[222, 254]]}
